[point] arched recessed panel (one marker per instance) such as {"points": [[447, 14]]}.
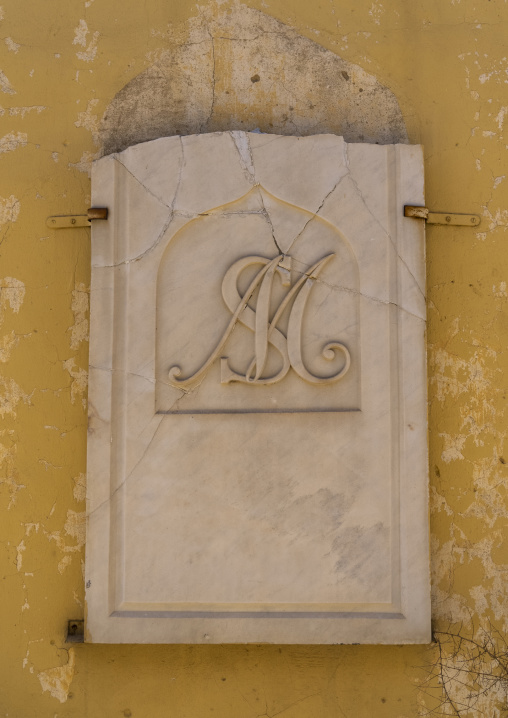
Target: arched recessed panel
{"points": [[258, 310]]}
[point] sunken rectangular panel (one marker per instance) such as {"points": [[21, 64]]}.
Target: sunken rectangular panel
{"points": [[257, 461]]}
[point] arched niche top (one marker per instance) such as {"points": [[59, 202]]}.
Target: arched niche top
{"points": [[236, 68]]}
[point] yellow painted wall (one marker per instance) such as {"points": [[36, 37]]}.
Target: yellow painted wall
{"points": [[62, 62]]}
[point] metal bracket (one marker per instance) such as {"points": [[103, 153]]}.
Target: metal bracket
{"points": [[465, 220], [75, 631], [77, 220]]}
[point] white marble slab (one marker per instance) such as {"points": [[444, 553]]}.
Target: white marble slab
{"points": [[257, 457]]}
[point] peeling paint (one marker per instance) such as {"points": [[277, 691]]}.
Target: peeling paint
{"points": [[10, 396], [9, 209], [8, 471], [13, 140], [22, 111], [19, 555], [80, 38], [80, 34], [12, 292], [5, 85], [75, 527], [11, 45], [79, 306], [89, 121], [79, 381], [79, 490], [85, 162], [7, 344], [452, 447], [58, 680]]}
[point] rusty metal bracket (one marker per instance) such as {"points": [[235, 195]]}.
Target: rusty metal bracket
{"points": [[75, 631], [450, 218], [77, 220]]}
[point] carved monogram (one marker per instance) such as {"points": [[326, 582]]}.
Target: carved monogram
{"points": [[265, 329]]}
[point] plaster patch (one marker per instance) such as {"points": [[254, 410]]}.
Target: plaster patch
{"points": [[495, 577], [10, 396], [9, 473], [5, 85], [500, 291], [79, 306], [89, 121], [79, 381], [453, 446], [13, 140], [80, 33], [12, 292], [497, 219], [75, 527], [22, 111], [248, 70], [7, 344], [58, 680], [29, 527], [489, 504], [63, 563], [79, 489], [9, 209], [376, 11], [500, 117], [19, 554], [453, 375], [438, 503], [446, 604], [89, 54], [85, 163], [11, 45]]}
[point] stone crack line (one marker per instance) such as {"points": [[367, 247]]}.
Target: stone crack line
{"points": [[385, 232], [147, 189], [267, 217], [147, 251], [124, 481], [316, 213]]}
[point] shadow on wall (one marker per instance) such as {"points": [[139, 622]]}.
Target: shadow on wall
{"points": [[241, 69]]}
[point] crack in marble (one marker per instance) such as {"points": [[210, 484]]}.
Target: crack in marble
{"points": [[147, 189], [128, 476], [180, 173], [376, 220], [349, 290], [268, 219], [316, 213]]}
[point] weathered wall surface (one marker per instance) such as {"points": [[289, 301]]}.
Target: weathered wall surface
{"points": [[80, 78]]}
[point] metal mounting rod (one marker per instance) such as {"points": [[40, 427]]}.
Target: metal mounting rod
{"points": [[450, 218], [77, 220]]}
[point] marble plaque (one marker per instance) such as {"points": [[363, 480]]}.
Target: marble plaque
{"points": [[257, 455]]}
